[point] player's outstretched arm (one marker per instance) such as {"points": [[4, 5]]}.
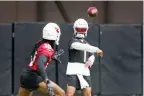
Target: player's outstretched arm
{"points": [[86, 47]]}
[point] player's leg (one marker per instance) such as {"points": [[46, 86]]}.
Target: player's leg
{"points": [[24, 92], [70, 90], [72, 85], [87, 91], [57, 90], [32, 81], [24, 84]]}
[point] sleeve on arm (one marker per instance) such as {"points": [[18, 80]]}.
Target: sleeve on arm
{"points": [[84, 47], [92, 58], [40, 65]]}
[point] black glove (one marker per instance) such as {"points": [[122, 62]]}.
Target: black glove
{"points": [[57, 55], [50, 89]]}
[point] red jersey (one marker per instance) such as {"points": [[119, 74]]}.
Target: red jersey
{"points": [[45, 49]]}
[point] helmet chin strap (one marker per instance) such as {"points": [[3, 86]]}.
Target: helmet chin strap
{"points": [[80, 35]]}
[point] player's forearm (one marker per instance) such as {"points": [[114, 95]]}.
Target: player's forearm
{"points": [[42, 71], [84, 47], [92, 58], [40, 66]]}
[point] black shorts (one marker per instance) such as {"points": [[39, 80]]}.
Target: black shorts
{"points": [[72, 80], [30, 79]]}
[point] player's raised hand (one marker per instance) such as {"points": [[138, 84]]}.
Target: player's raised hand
{"points": [[99, 52]]}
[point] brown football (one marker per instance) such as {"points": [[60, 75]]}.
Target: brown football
{"points": [[92, 11]]}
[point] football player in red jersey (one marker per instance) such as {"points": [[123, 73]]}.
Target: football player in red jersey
{"points": [[34, 77]]}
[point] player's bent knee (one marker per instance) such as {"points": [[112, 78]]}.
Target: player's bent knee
{"points": [[23, 92], [69, 94], [60, 93], [70, 91], [87, 94]]}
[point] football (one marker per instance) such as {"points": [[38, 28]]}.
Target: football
{"points": [[92, 11]]}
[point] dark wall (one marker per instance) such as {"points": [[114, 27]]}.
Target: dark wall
{"points": [[129, 12], [118, 72], [121, 66], [5, 59]]}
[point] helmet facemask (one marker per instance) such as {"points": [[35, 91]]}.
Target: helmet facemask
{"points": [[80, 32]]}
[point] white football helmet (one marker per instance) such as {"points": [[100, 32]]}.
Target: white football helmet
{"points": [[52, 32], [80, 28]]}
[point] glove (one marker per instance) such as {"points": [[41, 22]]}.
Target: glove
{"points": [[57, 55], [50, 89]]}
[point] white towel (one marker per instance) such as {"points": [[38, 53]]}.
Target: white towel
{"points": [[83, 82], [77, 68]]}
